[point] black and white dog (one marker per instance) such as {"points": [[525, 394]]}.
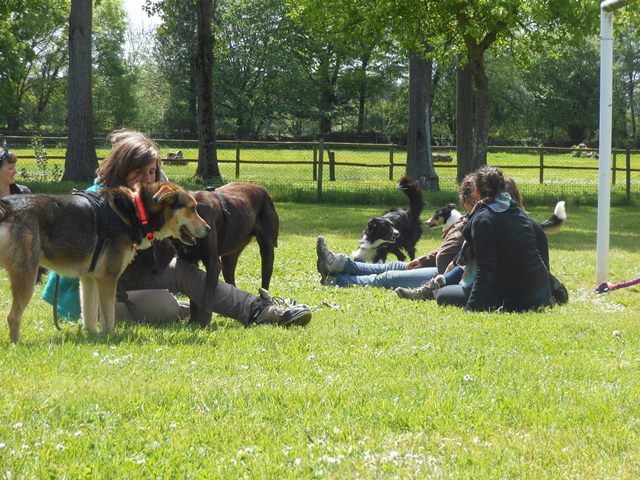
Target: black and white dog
{"points": [[395, 230], [446, 216]]}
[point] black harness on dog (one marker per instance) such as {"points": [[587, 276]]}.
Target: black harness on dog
{"points": [[223, 203], [108, 222]]}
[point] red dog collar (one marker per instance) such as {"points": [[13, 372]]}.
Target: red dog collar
{"points": [[143, 216]]}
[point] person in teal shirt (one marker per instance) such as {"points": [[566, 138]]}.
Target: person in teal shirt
{"points": [[135, 158]]}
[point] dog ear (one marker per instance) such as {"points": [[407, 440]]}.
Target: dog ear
{"points": [[451, 205], [166, 194]]}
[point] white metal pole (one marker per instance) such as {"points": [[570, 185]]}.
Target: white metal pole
{"points": [[604, 171]]}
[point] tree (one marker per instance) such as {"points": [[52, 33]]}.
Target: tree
{"points": [[113, 82], [564, 82], [521, 24], [175, 57], [80, 160], [419, 162], [627, 53], [32, 46], [207, 155], [257, 72]]}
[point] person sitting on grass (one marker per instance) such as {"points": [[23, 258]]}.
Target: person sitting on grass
{"points": [[135, 158], [454, 287], [506, 253], [340, 270]]}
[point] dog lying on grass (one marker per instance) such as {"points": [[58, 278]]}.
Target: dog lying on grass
{"points": [[90, 235]]}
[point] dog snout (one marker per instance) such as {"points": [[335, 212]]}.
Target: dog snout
{"points": [[202, 227]]}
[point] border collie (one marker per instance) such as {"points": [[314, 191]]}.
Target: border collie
{"points": [[394, 231]]}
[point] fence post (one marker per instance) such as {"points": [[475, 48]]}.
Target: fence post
{"points": [[332, 166], [541, 166], [614, 168], [391, 162], [320, 160], [237, 160], [315, 163], [628, 172]]}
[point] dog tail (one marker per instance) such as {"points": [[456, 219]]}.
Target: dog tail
{"points": [[411, 188], [555, 222]]}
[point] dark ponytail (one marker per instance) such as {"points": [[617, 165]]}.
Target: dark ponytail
{"points": [[489, 182]]}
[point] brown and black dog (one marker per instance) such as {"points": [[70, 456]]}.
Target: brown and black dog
{"points": [[90, 235]]}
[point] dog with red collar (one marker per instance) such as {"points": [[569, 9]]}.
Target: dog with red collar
{"points": [[68, 234]]}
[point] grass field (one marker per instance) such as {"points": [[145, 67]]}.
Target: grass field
{"points": [[374, 387]]}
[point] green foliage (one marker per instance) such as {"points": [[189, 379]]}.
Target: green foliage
{"points": [[42, 172], [32, 42], [375, 386], [114, 83]]}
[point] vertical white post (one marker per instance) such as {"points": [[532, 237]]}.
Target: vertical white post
{"points": [[604, 171]]}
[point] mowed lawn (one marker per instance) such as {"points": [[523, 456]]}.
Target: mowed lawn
{"points": [[374, 387]]}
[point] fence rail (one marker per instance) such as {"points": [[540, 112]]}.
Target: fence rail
{"points": [[330, 162]]}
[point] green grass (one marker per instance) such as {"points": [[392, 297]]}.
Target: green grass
{"points": [[374, 387]]}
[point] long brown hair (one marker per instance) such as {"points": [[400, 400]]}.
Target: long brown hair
{"points": [[130, 150], [466, 189]]}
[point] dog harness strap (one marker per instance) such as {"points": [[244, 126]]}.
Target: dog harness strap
{"points": [[146, 228], [98, 207], [223, 204]]}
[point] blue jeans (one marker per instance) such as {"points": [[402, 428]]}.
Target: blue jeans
{"points": [[385, 275]]}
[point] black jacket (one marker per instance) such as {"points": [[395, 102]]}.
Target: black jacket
{"points": [[511, 253]]}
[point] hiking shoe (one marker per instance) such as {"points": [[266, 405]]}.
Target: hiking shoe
{"points": [[184, 309], [424, 291], [329, 262], [274, 311], [328, 279]]}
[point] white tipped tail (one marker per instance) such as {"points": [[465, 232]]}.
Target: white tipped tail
{"points": [[560, 210]]}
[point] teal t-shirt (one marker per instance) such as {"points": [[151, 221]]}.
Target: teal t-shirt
{"points": [[68, 289]]}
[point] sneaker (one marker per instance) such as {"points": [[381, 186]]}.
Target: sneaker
{"points": [[184, 309], [329, 262], [424, 291], [274, 310]]}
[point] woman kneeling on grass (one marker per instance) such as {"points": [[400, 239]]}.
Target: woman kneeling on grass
{"points": [[134, 158], [504, 245]]}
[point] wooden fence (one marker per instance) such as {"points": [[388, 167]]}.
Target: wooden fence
{"points": [[328, 154]]}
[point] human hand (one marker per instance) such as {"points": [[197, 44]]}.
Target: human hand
{"points": [[413, 264]]}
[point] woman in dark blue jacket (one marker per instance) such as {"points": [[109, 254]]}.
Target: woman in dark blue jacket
{"points": [[509, 250]]}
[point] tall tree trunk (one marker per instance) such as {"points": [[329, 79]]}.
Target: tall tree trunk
{"points": [[419, 161], [362, 91], [482, 107], [207, 153], [80, 162], [632, 109], [464, 121]]}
